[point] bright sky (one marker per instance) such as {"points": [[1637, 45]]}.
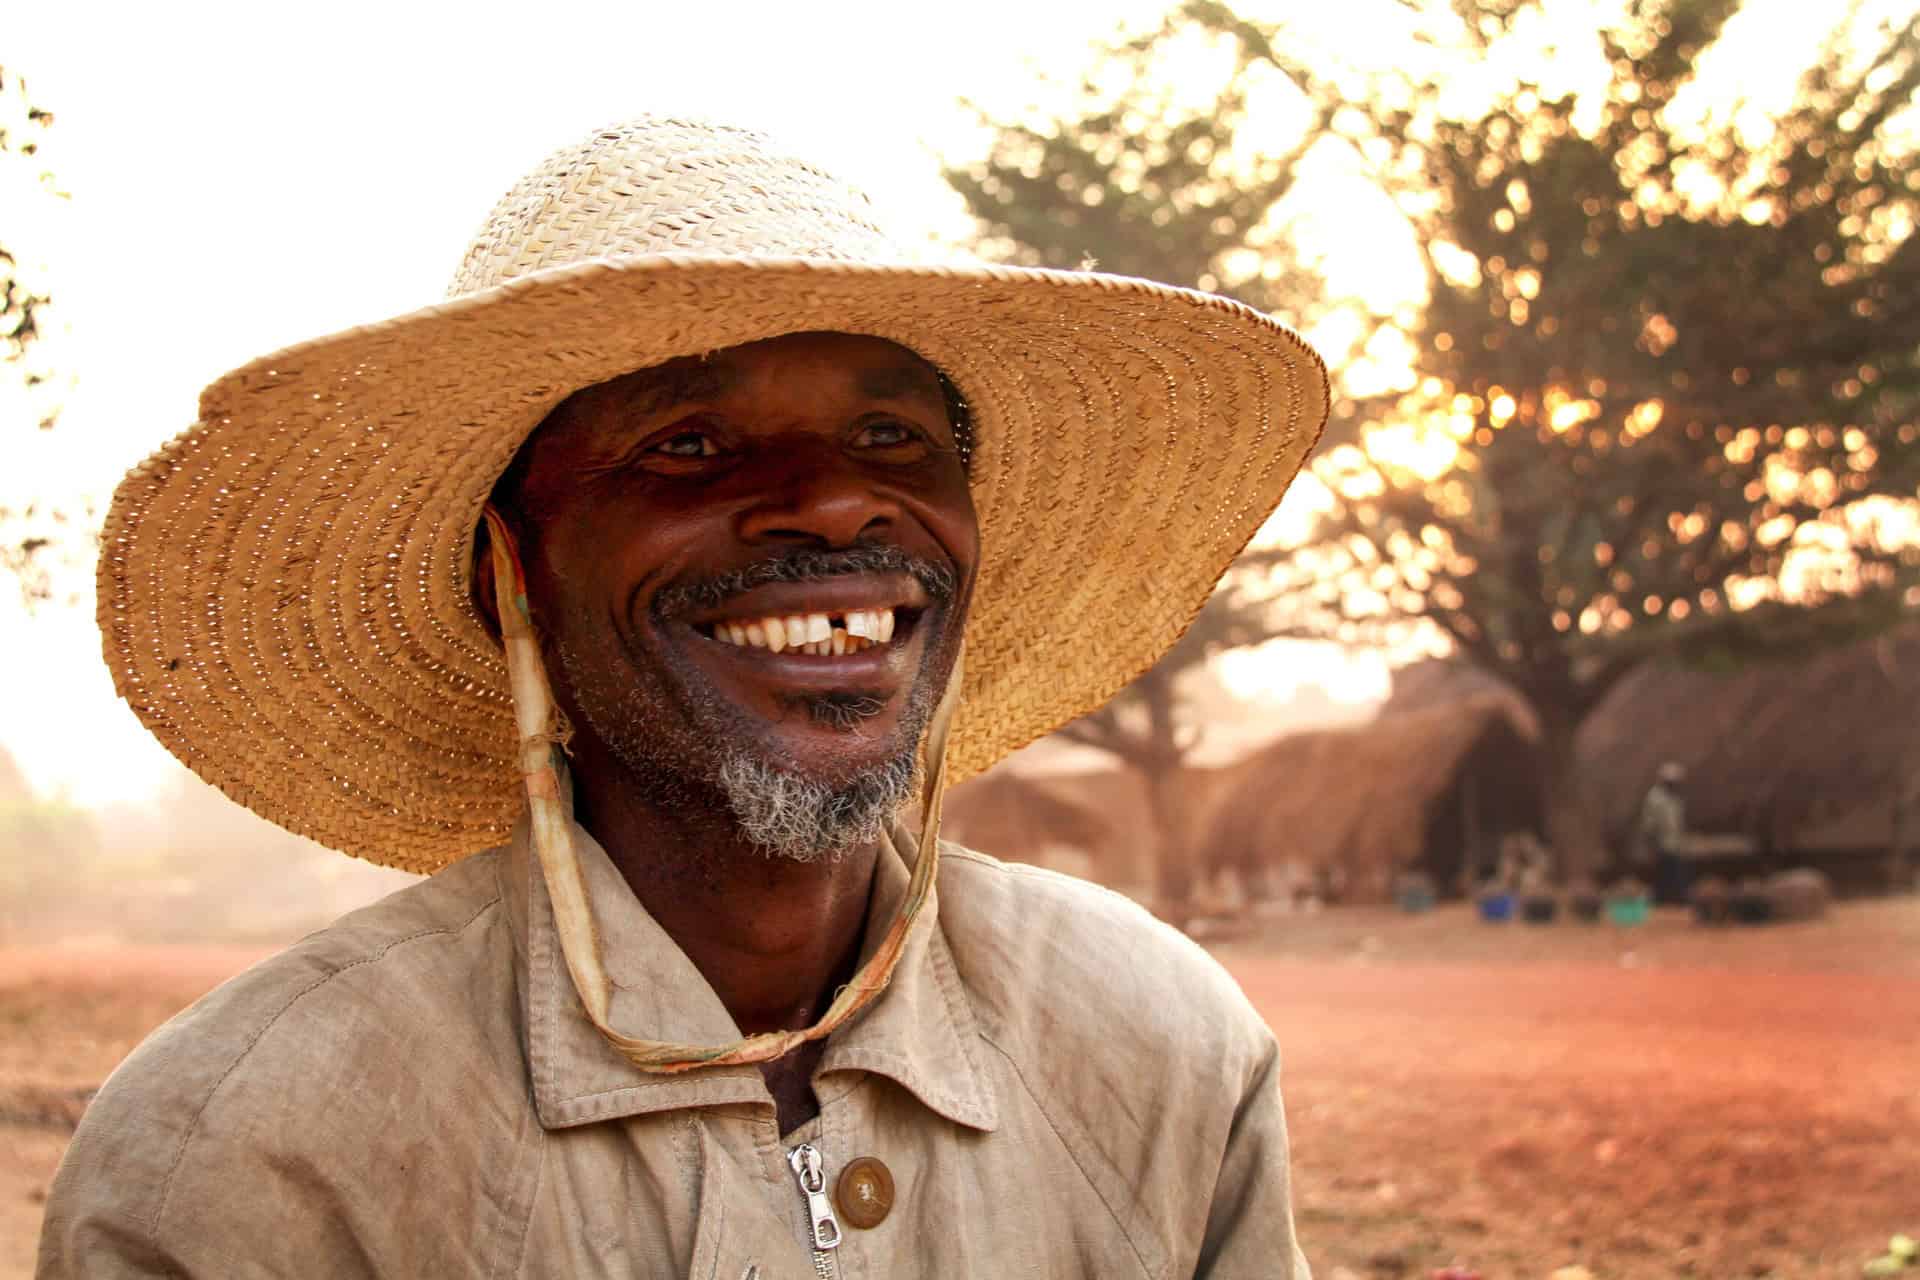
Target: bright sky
{"points": [[241, 179]]}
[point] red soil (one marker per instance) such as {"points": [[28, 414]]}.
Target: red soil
{"points": [[1669, 1101]]}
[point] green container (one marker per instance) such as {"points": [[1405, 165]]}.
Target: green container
{"points": [[1629, 912]]}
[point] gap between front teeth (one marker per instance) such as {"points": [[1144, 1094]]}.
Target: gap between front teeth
{"points": [[813, 633]]}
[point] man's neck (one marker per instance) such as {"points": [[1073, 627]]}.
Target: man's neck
{"points": [[774, 938]]}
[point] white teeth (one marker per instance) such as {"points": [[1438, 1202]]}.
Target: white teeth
{"points": [[813, 633], [872, 624]]}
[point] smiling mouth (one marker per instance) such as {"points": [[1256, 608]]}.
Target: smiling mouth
{"points": [[819, 633]]}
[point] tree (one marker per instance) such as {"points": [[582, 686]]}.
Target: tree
{"points": [[21, 301], [1142, 728], [1661, 395], [23, 304], [1109, 201]]}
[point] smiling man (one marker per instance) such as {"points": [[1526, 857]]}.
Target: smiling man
{"points": [[628, 594]]}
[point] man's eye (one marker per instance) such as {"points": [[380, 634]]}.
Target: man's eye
{"points": [[886, 435], [688, 444]]}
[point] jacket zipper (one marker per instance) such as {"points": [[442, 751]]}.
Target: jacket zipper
{"points": [[809, 1170]]}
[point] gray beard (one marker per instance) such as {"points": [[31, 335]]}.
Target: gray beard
{"points": [[781, 813], [804, 819]]}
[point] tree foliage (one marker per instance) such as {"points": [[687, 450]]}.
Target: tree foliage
{"points": [[1137, 185], [1661, 395], [1679, 367], [22, 300]]}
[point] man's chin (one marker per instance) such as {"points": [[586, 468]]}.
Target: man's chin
{"points": [[809, 815]]}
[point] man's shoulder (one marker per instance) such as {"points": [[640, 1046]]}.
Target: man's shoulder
{"points": [[1130, 1041], [1049, 955], [381, 973], [313, 1062], [410, 946]]}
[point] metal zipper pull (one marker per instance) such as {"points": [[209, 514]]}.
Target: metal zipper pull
{"points": [[807, 1167]]}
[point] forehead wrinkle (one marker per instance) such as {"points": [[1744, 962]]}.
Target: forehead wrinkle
{"points": [[677, 382], [916, 381]]}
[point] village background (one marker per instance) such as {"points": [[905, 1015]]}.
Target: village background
{"points": [[1621, 303]]}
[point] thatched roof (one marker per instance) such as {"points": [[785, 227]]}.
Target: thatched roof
{"points": [[1363, 798], [1009, 816], [1808, 756], [1445, 682], [1099, 817]]}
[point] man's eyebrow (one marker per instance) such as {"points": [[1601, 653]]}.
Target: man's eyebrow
{"points": [[677, 382], [903, 382]]}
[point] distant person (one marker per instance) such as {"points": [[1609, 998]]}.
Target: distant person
{"points": [[626, 592], [1661, 834]]}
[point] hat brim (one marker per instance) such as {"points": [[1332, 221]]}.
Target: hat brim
{"points": [[283, 588]]}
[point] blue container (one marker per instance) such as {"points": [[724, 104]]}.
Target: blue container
{"points": [[1496, 908]]}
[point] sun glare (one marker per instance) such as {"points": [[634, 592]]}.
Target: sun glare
{"points": [[1426, 449]]}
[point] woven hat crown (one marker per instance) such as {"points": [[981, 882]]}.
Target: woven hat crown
{"points": [[669, 186]]}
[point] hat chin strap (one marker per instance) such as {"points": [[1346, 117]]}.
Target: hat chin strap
{"points": [[538, 724]]}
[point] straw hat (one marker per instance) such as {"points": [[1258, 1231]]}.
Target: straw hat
{"points": [[283, 588]]}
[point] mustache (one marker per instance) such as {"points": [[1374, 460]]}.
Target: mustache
{"points": [[803, 564]]}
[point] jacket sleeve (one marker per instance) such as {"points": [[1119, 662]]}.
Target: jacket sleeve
{"points": [[199, 1157], [103, 1212], [1250, 1225], [154, 1188]]}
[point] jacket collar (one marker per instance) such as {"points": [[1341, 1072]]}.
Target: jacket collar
{"points": [[920, 1032]]}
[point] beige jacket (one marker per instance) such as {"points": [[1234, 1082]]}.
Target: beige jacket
{"points": [[1057, 1084]]}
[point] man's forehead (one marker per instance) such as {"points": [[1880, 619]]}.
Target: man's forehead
{"points": [[881, 369]]}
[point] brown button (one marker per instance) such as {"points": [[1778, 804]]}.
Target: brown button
{"points": [[864, 1192]]}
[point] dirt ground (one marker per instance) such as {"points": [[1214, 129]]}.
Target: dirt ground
{"points": [[1662, 1101]]}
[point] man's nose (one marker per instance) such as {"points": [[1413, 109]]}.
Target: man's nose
{"points": [[817, 496]]}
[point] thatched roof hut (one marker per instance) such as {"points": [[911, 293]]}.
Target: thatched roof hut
{"points": [[1812, 757], [1431, 788]]}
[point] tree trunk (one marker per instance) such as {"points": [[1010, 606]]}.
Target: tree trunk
{"points": [[1156, 750], [1900, 871], [1161, 762], [1173, 847], [1573, 831]]}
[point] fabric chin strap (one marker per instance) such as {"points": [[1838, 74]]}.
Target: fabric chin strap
{"points": [[537, 721]]}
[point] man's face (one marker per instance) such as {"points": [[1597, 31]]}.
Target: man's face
{"points": [[689, 530]]}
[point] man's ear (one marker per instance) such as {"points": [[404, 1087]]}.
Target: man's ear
{"points": [[484, 580]]}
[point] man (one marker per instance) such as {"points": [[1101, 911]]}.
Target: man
{"points": [[1660, 834], [653, 554]]}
